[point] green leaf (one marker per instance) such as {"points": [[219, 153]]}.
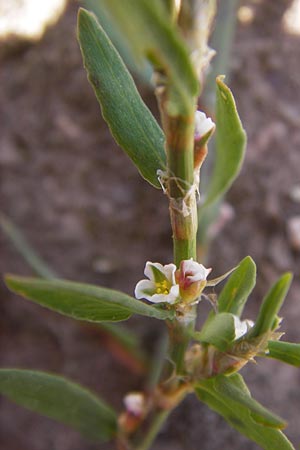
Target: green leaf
{"points": [[234, 388], [143, 73], [82, 301], [131, 123], [151, 34], [218, 330], [285, 351], [230, 398], [271, 306], [238, 288], [60, 399], [125, 337], [230, 145]]}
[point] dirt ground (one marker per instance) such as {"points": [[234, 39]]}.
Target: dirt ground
{"points": [[81, 203]]}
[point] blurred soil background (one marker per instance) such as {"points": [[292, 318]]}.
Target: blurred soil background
{"points": [[81, 203]]}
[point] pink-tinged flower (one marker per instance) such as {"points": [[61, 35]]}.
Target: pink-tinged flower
{"points": [[161, 286], [203, 125], [191, 278], [135, 403]]}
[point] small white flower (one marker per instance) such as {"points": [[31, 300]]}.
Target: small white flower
{"points": [[193, 271], [161, 286], [242, 326], [203, 124], [191, 278], [135, 403]]}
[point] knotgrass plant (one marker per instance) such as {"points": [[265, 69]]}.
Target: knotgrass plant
{"points": [[172, 36]]}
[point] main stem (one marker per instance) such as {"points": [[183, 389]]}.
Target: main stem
{"points": [[181, 189], [183, 210]]}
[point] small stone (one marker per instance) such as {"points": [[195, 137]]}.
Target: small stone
{"points": [[293, 230], [104, 265], [295, 193], [279, 253]]}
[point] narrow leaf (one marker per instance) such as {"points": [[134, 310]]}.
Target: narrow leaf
{"points": [[215, 281], [60, 399], [230, 145], [152, 34], [82, 301], [285, 351], [143, 73], [125, 337], [232, 388], [271, 306], [240, 416], [131, 123], [237, 289], [218, 330]]}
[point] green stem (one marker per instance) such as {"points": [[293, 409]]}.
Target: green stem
{"points": [[157, 422], [179, 337], [183, 212], [181, 188]]}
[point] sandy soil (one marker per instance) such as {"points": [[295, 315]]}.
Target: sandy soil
{"points": [[83, 205]]}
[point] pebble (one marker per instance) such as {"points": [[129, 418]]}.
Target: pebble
{"points": [[295, 193], [293, 231]]}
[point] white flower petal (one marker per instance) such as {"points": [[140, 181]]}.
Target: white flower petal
{"points": [[170, 298], [194, 271], [149, 289], [242, 326], [144, 288], [169, 272], [161, 298], [149, 271], [174, 294], [203, 124], [201, 274], [135, 403]]}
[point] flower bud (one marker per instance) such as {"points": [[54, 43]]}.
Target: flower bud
{"points": [[135, 403], [135, 411], [204, 126], [191, 278]]}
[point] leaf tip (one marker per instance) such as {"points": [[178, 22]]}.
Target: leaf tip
{"points": [[276, 422], [220, 79], [8, 279], [84, 17], [288, 276]]}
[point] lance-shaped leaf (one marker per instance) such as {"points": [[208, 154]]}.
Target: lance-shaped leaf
{"points": [[115, 35], [230, 145], [230, 398], [83, 301], [271, 306], [131, 123], [285, 351], [238, 288], [234, 388], [125, 337], [218, 330], [151, 34], [60, 399]]}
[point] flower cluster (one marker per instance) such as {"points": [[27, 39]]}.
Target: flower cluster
{"points": [[166, 284]]}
